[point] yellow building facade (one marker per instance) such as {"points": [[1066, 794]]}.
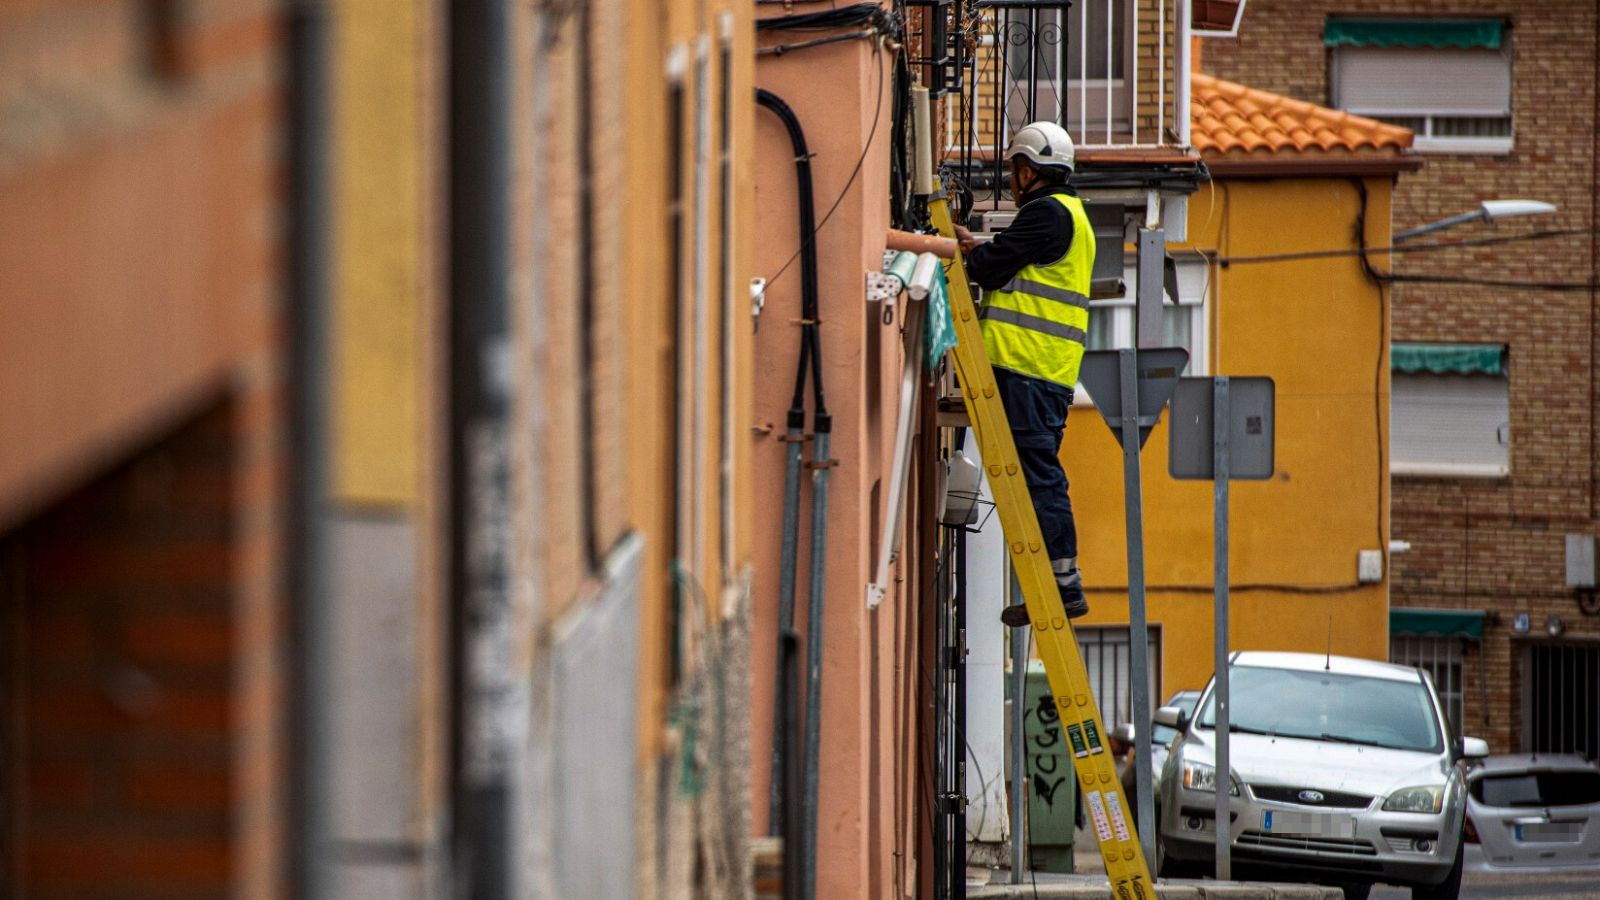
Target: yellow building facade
{"points": [[1287, 178]]}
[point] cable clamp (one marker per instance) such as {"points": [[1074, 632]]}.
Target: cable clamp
{"points": [[821, 463], [792, 438]]}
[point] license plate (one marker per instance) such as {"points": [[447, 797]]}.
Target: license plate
{"points": [[1550, 832], [1279, 821]]}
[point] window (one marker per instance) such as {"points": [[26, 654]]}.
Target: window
{"points": [[1449, 80], [1450, 411], [1068, 69], [1113, 324], [1535, 789], [1107, 656], [1561, 699], [1440, 657]]}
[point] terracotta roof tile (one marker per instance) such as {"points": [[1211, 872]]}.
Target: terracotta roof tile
{"points": [[1233, 119]]}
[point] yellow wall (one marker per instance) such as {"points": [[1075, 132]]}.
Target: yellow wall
{"points": [[378, 266], [1319, 329]]}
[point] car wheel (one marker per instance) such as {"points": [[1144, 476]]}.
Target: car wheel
{"points": [[1450, 887], [1356, 891]]}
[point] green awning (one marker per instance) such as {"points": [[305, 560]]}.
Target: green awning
{"points": [[1448, 359], [1462, 623], [1465, 34]]}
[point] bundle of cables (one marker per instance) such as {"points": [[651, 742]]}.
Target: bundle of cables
{"points": [[857, 15]]}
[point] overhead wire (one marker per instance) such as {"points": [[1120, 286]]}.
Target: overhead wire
{"points": [[849, 182]]}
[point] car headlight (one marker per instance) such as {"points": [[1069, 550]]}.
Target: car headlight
{"points": [[1201, 777], [1424, 798]]}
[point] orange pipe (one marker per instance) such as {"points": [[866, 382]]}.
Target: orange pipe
{"points": [[922, 243]]}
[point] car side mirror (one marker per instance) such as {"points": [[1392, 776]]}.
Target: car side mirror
{"points": [[1172, 717], [1123, 733], [1474, 748]]}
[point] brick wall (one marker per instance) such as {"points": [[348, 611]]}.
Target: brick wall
{"points": [[1492, 544], [131, 694], [141, 266]]}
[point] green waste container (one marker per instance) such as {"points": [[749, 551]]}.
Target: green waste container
{"points": [[1052, 785]]}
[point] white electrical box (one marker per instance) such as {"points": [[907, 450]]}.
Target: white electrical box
{"points": [[1369, 566]]}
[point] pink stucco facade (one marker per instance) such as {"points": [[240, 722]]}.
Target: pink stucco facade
{"points": [[867, 836]]}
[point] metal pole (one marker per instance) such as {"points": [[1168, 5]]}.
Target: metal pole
{"points": [[786, 563], [494, 715], [312, 760], [789, 710], [1151, 260], [1019, 684], [1180, 102], [958, 789], [1138, 627], [814, 640], [1001, 94], [1219, 449]]}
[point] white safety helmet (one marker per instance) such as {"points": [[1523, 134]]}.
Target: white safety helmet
{"points": [[1044, 144]]}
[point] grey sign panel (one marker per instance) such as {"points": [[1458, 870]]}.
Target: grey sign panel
{"points": [[1250, 437], [1158, 371]]}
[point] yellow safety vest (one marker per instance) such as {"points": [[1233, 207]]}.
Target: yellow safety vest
{"points": [[1037, 324]]}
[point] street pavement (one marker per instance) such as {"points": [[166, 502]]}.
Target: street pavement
{"points": [[1484, 886], [1089, 882]]}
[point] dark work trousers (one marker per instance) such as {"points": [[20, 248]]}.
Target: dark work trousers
{"points": [[1037, 411]]}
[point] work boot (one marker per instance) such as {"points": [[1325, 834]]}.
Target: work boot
{"points": [[1072, 599], [1015, 615], [1069, 581]]}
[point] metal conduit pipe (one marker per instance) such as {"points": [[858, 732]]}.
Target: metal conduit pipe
{"points": [[794, 436], [822, 426], [311, 745]]}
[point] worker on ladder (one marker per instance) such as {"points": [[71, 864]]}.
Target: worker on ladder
{"points": [[1035, 321]]}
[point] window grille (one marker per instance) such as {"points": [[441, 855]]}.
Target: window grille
{"points": [[1108, 657], [1440, 657]]}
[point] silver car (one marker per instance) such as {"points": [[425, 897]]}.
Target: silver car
{"points": [[1528, 812], [1344, 772]]}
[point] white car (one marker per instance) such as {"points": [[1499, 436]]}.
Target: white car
{"points": [[1533, 813], [1344, 772]]}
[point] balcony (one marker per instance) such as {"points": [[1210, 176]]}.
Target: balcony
{"points": [[1114, 73]]}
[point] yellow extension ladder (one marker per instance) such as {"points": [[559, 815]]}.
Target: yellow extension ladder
{"points": [[1109, 814]]}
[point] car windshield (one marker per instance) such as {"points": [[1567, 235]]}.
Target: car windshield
{"points": [[1538, 789], [1329, 706]]}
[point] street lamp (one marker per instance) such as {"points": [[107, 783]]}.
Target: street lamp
{"points": [[1488, 210]]}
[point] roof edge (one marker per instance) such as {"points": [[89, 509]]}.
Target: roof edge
{"points": [[1288, 165]]}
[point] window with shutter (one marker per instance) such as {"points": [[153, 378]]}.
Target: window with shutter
{"points": [[1449, 81], [1450, 424]]}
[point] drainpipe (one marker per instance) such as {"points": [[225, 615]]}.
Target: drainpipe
{"points": [[489, 698], [310, 686]]}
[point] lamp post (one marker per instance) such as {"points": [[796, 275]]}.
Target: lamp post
{"points": [[1487, 211]]}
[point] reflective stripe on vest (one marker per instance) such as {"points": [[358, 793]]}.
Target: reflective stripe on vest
{"points": [[1033, 323], [1037, 324]]}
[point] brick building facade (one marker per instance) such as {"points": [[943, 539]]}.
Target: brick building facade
{"points": [[141, 523], [1494, 544]]}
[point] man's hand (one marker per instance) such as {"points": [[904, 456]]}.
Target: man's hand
{"points": [[965, 239]]}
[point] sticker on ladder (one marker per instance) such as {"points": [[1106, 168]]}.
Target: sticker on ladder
{"points": [[1119, 822], [1075, 735], [1093, 734], [1097, 811]]}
